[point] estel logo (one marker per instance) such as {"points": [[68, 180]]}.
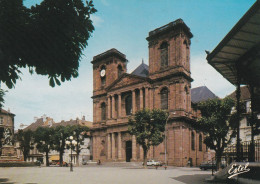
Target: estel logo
{"points": [[238, 169]]}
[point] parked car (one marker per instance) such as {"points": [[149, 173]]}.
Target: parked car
{"points": [[208, 165], [84, 162], [153, 163], [63, 164]]}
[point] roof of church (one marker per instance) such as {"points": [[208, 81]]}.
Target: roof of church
{"points": [[175, 25], [201, 93], [142, 70], [111, 52]]}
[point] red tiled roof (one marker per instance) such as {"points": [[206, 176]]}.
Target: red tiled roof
{"points": [[39, 122], [6, 112]]}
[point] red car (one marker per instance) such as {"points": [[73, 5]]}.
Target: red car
{"points": [[63, 164]]}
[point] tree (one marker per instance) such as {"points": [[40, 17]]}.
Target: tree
{"points": [[48, 38], [2, 94], [218, 124], [61, 133], [25, 139], [148, 126], [254, 122], [79, 133], [43, 137]]}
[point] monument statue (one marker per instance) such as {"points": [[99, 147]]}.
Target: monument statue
{"points": [[7, 137]]}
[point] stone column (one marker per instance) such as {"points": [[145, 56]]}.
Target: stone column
{"points": [[108, 146], [141, 99], [113, 146], [141, 153], [119, 105], [133, 102], [113, 107], [108, 108], [133, 148], [119, 146], [94, 148], [146, 98]]}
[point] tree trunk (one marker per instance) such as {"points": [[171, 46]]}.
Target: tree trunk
{"points": [[61, 158], [145, 157], [25, 157], [77, 155], [47, 158], [218, 159]]}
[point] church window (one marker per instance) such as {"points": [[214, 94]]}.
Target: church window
{"points": [[192, 141], [164, 98], [164, 54], [103, 111], [128, 105], [119, 70], [200, 142], [103, 81]]}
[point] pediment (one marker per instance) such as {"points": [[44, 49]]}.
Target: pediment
{"points": [[126, 80]]}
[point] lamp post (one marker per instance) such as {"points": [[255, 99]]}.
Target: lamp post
{"points": [[70, 142]]}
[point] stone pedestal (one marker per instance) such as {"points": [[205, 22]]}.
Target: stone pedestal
{"points": [[8, 151]]}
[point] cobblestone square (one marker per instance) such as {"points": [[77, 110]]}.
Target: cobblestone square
{"points": [[103, 174]]}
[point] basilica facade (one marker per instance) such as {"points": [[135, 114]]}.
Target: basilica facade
{"points": [[164, 84]]}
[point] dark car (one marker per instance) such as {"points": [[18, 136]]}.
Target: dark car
{"points": [[208, 165]]}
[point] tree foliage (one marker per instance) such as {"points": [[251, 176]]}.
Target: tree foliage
{"points": [[148, 127], [2, 94], [61, 133], [25, 142], [79, 133], [218, 123], [43, 138], [47, 38]]}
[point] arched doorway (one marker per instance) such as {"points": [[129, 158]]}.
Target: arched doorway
{"points": [[128, 150]]}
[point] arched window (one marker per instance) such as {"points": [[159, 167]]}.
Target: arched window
{"points": [[192, 141], [128, 105], [164, 54], [119, 70], [200, 142], [164, 98], [103, 111]]}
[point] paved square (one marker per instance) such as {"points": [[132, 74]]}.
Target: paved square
{"points": [[102, 175]]}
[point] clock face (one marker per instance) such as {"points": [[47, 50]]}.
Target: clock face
{"points": [[102, 72]]}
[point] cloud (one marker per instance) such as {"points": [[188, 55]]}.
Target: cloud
{"points": [[33, 97], [97, 21], [205, 75]]}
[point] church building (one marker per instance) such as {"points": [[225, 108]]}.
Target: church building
{"points": [[164, 84]]}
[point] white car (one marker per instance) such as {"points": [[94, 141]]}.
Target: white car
{"points": [[153, 163]]}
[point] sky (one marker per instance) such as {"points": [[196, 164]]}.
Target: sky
{"points": [[124, 25]]}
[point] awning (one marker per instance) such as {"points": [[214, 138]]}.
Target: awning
{"points": [[54, 157], [239, 52]]}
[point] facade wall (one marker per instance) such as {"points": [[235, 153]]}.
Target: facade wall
{"points": [[111, 140]]}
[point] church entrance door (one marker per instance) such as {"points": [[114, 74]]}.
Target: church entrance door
{"points": [[128, 150]]}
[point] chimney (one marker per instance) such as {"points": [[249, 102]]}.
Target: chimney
{"points": [[83, 118]]}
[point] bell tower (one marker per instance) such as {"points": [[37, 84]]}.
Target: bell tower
{"points": [[169, 66], [169, 50], [107, 67]]}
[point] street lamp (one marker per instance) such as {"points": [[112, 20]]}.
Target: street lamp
{"points": [[71, 142]]}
